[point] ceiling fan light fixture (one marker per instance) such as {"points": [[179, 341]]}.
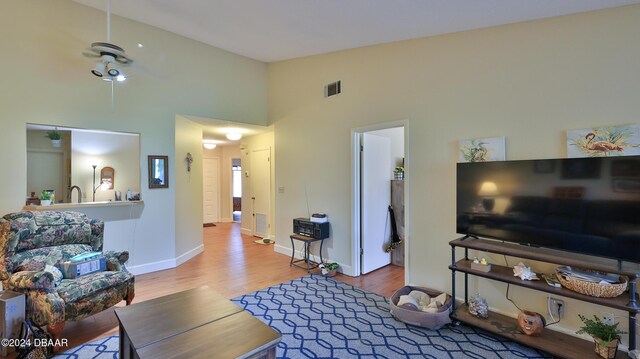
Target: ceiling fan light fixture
{"points": [[113, 72], [99, 70]]}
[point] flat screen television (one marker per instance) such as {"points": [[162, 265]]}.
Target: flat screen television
{"points": [[584, 205]]}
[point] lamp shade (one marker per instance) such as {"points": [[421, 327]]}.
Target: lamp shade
{"points": [[488, 189]]}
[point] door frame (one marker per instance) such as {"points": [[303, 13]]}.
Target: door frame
{"points": [[356, 140], [218, 187], [231, 158], [252, 194]]}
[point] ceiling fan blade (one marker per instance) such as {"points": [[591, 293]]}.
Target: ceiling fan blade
{"points": [[124, 60], [90, 54]]}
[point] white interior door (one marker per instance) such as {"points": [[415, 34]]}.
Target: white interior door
{"points": [[45, 170], [375, 175], [211, 190], [261, 190]]}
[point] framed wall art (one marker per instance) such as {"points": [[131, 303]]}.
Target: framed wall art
{"points": [[482, 149], [158, 171], [604, 141]]}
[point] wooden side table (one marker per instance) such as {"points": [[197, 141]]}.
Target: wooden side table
{"points": [[306, 240]]}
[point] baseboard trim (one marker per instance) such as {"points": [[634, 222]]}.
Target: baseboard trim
{"points": [[167, 263], [152, 267], [344, 269], [246, 231], [226, 220], [189, 254]]}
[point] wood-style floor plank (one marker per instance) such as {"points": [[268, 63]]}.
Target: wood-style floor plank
{"points": [[233, 265]]}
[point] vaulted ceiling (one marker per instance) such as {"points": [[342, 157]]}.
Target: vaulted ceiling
{"points": [[274, 30]]}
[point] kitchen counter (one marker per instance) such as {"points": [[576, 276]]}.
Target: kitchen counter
{"points": [[71, 206]]}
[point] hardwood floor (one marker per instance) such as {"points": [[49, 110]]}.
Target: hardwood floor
{"points": [[232, 264]]}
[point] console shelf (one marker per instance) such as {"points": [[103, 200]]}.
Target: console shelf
{"points": [[558, 344], [544, 255], [505, 274], [555, 343]]}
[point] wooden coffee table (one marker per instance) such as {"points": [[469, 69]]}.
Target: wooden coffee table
{"points": [[197, 323]]}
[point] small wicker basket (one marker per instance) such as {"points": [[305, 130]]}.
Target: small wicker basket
{"points": [[609, 351], [594, 289]]}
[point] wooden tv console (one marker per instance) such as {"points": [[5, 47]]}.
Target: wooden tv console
{"points": [[555, 343]]}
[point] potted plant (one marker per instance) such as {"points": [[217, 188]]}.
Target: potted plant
{"points": [[606, 336], [55, 136], [45, 198], [398, 173], [329, 269]]}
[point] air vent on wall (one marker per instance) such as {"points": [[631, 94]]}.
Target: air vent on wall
{"points": [[332, 89]]}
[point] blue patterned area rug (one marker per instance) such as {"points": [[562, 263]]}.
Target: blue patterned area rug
{"points": [[103, 348], [323, 318]]}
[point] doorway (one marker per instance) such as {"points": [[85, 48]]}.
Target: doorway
{"points": [[377, 151], [260, 180], [236, 189], [210, 191]]}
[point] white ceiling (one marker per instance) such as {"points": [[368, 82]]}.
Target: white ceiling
{"points": [[274, 30], [215, 130]]}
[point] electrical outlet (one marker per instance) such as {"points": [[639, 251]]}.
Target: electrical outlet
{"points": [[556, 307], [608, 318]]}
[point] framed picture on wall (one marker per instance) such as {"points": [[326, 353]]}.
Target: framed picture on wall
{"points": [[604, 141], [483, 149], [158, 171]]}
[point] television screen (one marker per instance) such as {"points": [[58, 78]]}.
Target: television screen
{"points": [[585, 205]]}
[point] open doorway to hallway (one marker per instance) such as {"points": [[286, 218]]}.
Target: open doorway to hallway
{"points": [[379, 205], [236, 189]]}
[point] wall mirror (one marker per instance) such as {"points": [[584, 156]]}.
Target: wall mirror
{"points": [[107, 175], [158, 171], [69, 163]]}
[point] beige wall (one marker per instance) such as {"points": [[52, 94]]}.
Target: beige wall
{"points": [[529, 82], [49, 83], [118, 151], [37, 142]]}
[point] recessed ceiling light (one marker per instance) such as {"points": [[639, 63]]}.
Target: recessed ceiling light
{"points": [[233, 136], [140, 45]]}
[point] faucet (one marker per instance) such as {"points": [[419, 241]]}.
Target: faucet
{"points": [[79, 194]]}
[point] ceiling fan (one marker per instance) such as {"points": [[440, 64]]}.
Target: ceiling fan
{"points": [[110, 55]]}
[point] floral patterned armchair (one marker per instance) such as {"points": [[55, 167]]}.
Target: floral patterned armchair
{"points": [[33, 242]]}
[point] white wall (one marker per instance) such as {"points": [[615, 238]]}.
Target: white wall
{"points": [[396, 135], [188, 189], [50, 83], [529, 81]]}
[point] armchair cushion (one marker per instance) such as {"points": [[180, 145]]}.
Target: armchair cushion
{"points": [[32, 280], [36, 259], [39, 229], [72, 290]]}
